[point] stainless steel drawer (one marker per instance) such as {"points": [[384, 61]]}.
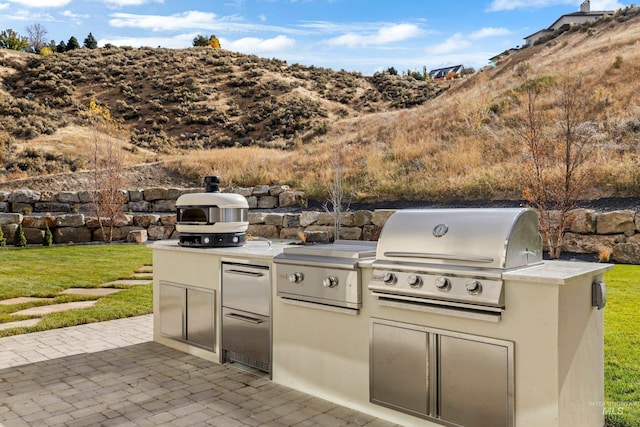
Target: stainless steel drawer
{"points": [[246, 288], [246, 334]]}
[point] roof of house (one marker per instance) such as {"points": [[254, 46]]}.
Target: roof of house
{"points": [[593, 14], [442, 72]]}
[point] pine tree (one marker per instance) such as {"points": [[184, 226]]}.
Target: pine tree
{"points": [[47, 240], [90, 42], [200, 40], [62, 47], [19, 238], [3, 240], [72, 44]]}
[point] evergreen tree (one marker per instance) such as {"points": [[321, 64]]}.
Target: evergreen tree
{"points": [[47, 240], [72, 44], [90, 42], [3, 240], [62, 47], [19, 238], [200, 40]]}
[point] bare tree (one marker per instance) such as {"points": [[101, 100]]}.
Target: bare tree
{"points": [[338, 198], [107, 164], [558, 143], [37, 37]]}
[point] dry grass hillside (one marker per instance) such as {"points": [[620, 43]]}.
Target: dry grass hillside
{"points": [[256, 121]]}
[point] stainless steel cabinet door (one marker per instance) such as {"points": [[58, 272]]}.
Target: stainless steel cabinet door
{"points": [[399, 366], [172, 316], [474, 382], [200, 318]]}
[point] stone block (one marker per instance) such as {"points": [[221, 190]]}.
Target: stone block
{"points": [[51, 207], [137, 236], [260, 190], [347, 219], [87, 208], [257, 217], [616, 222], [116, 234], [11, 218], [267, 202], [371, 233], [4, 196], [136, 195], [350, 233], [326, 229], [362, 218], [24, 196], [70, 220], [174, 193], [34, 235], [264, 230], [308, 217], [380, 216], [581, 221], [9, 230], [71, 235], [317, 236], [276, 190], [40, 222], [122, 220], [291, 220], [252, 201], [139, 206], [85, 196], [153, 194], [274, 219], [626, 253], [590, 243], [291, 198], [159, 232], [163, 206], [146, 220], [5, 207], [324, 218], [243, 191], [26, 208], [68, 197], [169, 219], [291, 233]]}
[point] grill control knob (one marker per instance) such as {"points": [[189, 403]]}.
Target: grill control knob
{"points": [[330, 282], [389, 279], [473, 287], [414, 281], [443, 284], [296, 277]]}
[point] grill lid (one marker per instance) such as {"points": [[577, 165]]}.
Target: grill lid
{"points": [[479, 238]]}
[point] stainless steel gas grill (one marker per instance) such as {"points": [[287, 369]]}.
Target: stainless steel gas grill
{"points": [[451, 261], [323, 274]]}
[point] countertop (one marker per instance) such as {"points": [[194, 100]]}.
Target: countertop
{"points": [[556, 272], [254, 249]]}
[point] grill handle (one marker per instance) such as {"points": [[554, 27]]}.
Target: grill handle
{"points": [[462, 257], [243, 318], [244, 273]]}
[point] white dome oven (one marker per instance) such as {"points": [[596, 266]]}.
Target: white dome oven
{"points": [[212, 218]]}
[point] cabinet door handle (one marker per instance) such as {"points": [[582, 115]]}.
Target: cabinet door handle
{"points": [[243, 318], [244, 273]]}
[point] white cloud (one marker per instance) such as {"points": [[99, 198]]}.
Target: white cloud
{"points": [[121, 3], [75, 17], [255, 45], [41, 3], [180, 21], [4, 6], [454, 43], [488, 32], [385, 35]]}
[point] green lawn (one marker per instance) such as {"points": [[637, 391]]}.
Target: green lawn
{"points": [[45, 271], [622, 347]]}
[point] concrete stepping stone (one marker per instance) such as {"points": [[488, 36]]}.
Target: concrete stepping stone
{"points": [[21, 300], [128, 282], [145, 269], [91, 292], [54, 308], [142, 275], [19, 324]]}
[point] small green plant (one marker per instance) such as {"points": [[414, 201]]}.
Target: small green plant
{"points": [[3, 240], [47, 240], [19, 238]]}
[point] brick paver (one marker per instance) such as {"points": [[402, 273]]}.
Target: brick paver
{"points": [[113, 374]]}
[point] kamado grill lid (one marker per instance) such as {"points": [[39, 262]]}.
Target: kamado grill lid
{"points": [[479, 238]]}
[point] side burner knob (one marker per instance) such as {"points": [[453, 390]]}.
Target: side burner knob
{"points": [[330, 282], [296, 277], [443, 284], [473, 287], [414, 281], [389, 279]]}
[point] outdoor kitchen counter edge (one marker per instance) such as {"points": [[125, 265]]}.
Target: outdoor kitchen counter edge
{"points": [[254, 249], [556, 272]]}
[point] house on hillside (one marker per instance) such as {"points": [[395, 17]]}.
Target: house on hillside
{"points": [[446, 73], [584, 15]]}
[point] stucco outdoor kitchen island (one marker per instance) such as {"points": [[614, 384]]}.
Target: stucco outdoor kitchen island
{"points": [[536, 362]]}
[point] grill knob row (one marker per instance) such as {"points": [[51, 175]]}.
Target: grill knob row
{"points": [[473, 286]]}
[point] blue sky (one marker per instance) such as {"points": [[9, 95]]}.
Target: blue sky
{"points": [[354, 35]]}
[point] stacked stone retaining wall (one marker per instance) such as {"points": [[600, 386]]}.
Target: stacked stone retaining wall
{"points": [[150, 215]]}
